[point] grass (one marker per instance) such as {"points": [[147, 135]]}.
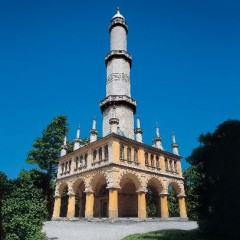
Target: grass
{"points": [[173, 235]]}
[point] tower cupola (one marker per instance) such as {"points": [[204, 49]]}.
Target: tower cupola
{"points": [[174, 145]]}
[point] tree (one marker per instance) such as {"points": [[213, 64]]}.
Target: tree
{"points": [[217, 183], [173, 202], [3, 190], [191, 179], [46, 149], [45, 153], [24, 210]]}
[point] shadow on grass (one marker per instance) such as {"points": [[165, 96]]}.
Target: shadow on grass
{"points": [[173, 235]]}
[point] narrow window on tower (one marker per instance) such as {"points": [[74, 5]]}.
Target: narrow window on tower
{"points": [[121, 152], [135, 155], [94, 155], [66, 166], [106, 152], [76, 162], [146, 159], [70, 163], [100, 154], [129, 154], [81, 160], [157, 161], [85, 159], [175, 167], [166, 165]]}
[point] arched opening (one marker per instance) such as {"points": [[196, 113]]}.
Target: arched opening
{"points": [[64, 202], [127, 196], [80, 198], [173, 205], [153, 208], [99, 186]]}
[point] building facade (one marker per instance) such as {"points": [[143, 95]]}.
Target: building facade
{"points": [[110, 176]]}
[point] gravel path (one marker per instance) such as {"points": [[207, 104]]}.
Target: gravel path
{"points": [[65, 230]]}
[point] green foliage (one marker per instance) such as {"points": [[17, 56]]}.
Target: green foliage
{"points": [[24, 210], [46, 149], [191, 180], [3, 190], [151, 203], [217, 182], [173, 203]]}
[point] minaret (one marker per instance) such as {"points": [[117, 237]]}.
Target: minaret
{"points": [[158, 139], [118, 63], [114, 121], [138, 131], [93, 131], [174, 145], [64, 147], [77, 140]]}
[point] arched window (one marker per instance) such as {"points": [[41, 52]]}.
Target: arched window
{"points": [[129, 154], [157, 161], [175, 167], [100, 154], [152, 160], [94, 155], [76, 161], [121, 151], [146, 159], [166, 165], [135, 155], [106, 152], [85, 159], [62, 168]]}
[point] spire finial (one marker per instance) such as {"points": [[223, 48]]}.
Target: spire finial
{"points": [[78, 132], [157, 130], [65, 141], [94, 122], [118, 9], [173, 138]]}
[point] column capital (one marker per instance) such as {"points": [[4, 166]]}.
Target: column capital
{"points": [[181, 195], [163, 194], [141, 190]]}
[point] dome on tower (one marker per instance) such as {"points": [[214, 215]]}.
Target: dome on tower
{"points": [[118, 14]]}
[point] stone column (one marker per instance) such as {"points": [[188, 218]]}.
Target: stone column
{"points": [[182, 207], [142, 205], [113, 203], [164, 206], [71, 206], [57, 206], [89, 205]]}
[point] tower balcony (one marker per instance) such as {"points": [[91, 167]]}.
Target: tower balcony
{"points": [[118, 22], [118, 99], [118, 54]]}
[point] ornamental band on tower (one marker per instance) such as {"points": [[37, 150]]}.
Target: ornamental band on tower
{"points": [[110, 176]]}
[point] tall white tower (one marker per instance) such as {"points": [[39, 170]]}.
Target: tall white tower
{"points": [[118, 88]]}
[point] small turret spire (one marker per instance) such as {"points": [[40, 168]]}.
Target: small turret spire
{"points": [[64, 147], [174, 145], [77, 140], [93, 131], [158, 139], [138, 131]]}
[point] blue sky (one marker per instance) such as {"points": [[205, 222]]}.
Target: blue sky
{"points": [[185, 74]]}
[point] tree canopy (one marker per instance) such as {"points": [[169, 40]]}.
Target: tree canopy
{"points": [[46, 149], [24, 209], [216, 179]]}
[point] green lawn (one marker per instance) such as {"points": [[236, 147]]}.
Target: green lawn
{"points": [[173, 235]]}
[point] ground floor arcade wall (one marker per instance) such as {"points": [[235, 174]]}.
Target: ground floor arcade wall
{"points": [[116, 192]]}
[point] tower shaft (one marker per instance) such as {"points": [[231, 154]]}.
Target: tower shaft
{"points": [[118, 87]]}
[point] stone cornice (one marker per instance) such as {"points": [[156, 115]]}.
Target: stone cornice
{"points": [[118, 22], [118, 99], [118, 54]]}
